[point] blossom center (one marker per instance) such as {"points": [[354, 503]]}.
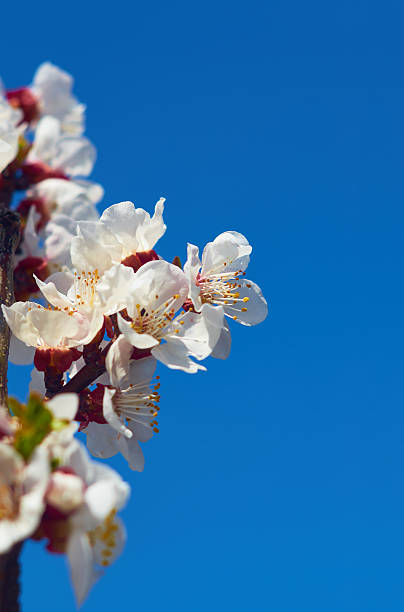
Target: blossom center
{"points": [[104, 537], [222, 290], [84, 288], [154, 321], [139, 404], [9, 502]]}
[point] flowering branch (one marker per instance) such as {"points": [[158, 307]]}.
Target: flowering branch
{"points": [[97, 306]]}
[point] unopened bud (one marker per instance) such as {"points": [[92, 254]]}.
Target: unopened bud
{"points": [[66, 492]]}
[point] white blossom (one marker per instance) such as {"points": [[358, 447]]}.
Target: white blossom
{"points": [[96, 536], [88, 295], [130, 411], [40, 327], [122, 231], [74, 155], [53, 88], [22, 489], [9, 133], [219, 279], [156, 293]]}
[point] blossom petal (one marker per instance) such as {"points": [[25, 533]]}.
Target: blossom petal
{"points": [[223, 345], [111, 416], [101, 440], [191, 270], [229, 252], [142, 341], [200, 332], [80, 558], [174, 354], [254, 310], [117, 360], [64, 406]]}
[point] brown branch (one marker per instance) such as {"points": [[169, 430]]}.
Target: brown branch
{"points": [[87, 375], [9, 236], [10, 580]]}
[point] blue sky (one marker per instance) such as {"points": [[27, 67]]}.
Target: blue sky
{"points": [[276, 481]]}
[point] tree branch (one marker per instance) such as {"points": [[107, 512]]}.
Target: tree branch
{"points": [[9, 237], [10, 580]]}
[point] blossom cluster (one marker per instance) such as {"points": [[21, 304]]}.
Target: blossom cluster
{"points": [[97, 309]]}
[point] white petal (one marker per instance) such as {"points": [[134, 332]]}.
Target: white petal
{"points": [[47, 133], [200, 332], [223, 345], [175, 355], [140, 371], [113, 288], [51, 293], [117, 360], [153, 229], [54, 326], [228, 252], [37, 383], [64, 406], [19, 352], [156, 282], [256, 307], [19, 323], [75, 155], [110, 415], [191, 269], [101, 440], [80, 558], [142, 341]]}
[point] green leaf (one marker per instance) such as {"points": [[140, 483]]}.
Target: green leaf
{"points": [[35, 421]]}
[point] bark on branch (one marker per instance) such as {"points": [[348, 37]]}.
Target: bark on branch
{"points": [[9, 237]]}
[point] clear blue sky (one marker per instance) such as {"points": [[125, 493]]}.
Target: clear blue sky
{"points": [[276, 482]]}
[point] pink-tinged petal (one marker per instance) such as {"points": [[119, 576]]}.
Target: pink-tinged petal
{"points": [[142, 341]]}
